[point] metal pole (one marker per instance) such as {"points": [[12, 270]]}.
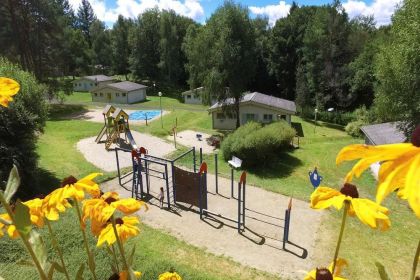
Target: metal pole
{"points": [[173, 180], [160, 102], [140, 181], [205, 192], [215, 165], [243, 204], [118, 166], [231, 183], [200, 199], [201, 155], [146, 165], [167, 186], [239, 208], [195, 168]]}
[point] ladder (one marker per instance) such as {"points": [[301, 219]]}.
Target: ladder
{"points": [[112, 136]]}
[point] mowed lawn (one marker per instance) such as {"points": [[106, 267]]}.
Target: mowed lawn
{"points": [[362, 247]]}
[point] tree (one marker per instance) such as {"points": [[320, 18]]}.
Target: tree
{"points": [[144, 40], [19, 125], [397, 94], [120, 46], [85, 18], [229, 59], [101, 47]]}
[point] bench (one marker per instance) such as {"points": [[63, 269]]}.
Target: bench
{"points": [[235, 162]]}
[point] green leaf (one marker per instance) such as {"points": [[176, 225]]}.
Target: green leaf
{"points": [[109, 251], [131, 256], [22, 219], [58, 267], [12, 184], [79, 274], [38, 247], [382, 271]]}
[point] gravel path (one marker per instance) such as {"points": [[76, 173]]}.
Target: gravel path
{"points": [[105, 160], [189, 138], [260, 246]]}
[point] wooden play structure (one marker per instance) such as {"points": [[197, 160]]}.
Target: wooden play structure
{"points": [[115, 124]]}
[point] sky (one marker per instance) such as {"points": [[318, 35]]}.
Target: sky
{"points": [[200, 10]]}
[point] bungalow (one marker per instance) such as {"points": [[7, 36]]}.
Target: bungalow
{"points": [[252, 107], [122, 92], [86, 83], [195, 96], [381, 134]]}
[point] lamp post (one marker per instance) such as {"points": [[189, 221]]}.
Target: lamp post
{"points": [[160, 102], [154, 88], [316, 111]]}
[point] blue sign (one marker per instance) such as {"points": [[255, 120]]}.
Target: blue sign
{"points": [[315, 178]]}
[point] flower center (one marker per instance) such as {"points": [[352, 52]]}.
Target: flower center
{"points": [[109, 200], [350, 190], [68, 181], [415, 137], [323, 274], [119, 221]]}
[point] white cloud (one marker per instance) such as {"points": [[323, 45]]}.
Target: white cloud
{"points": [[382, 10], [132, 8], [273, 12]]}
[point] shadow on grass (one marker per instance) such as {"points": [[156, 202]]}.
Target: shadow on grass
{"points": [[279, 167], [45, 182], [67, 111], [325, 124]]}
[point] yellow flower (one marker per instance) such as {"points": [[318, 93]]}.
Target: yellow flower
{"points": [[54, 203], [126, 227], [101, 209], [76, 188], [11, 229], [399, 168], [35, 210], [368, 212], [169, 276], [124, 275], [326, 274], [8, 88]]}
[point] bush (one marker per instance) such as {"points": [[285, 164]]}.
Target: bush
{"points": [[329, 117], [362, 117], [255, 144], [19, 125]]}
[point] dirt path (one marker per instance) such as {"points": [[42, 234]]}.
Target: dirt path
{"points": [[259, 246]]}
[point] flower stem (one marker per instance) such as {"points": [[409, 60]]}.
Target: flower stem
{"points": [[57, 248], [340, 237], [120, 246], [115, 256], [28, 246], [91, 260], [415, 262]]}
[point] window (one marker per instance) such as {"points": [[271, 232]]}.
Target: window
{"points": [[220, 116], [250, 117], [80, 84], [91, 84], [100, 94], [188, 96], [268, 117], [96, 94], [117, 94], [124, 94]]}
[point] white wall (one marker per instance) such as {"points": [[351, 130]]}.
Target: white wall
{"points": [[244, 109], [87, 85], [109, 95], [194, 99], [137, 96]]}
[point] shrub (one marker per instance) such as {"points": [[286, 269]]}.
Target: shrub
{"points": [[362, 117], [255, 144], [19, 125]]}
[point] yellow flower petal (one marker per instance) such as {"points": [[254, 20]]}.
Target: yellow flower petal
{"points": [[324, 197], [371, 213], [169, 276], [8, 88], [339, 264], [107, 235], [124, 275], [128, 205], [412, 185]]}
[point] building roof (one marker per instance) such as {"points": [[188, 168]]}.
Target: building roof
{"points": [[262, 99], [125, 86], [383, 133], [98, 78], [193, 91]]}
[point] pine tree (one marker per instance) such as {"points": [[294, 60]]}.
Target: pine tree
{"points": [[85, 18]]}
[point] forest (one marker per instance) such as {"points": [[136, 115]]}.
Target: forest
{"points": [[316, 56]]}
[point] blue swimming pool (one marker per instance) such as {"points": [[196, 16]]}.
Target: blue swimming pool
{"points": [[144, 114]]}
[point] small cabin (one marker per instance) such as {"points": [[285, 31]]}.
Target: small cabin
{"points": [[123, 93], [87, 83]]}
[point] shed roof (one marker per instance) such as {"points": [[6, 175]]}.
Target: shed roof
{"points": [[107, 109], [119, 112], [98, 78], [384, 133], [193, 91], [260, 98], [126, 86]]}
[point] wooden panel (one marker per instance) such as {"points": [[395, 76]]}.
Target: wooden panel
{"points": [[186, 186]]}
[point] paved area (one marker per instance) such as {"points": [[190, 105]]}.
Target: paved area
{"points": [[259, 246], [189, 138], [96, 153]]}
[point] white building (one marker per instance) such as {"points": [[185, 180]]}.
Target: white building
{"points": [[252, 107], [86, 83], [195, 96], [122, 92]]}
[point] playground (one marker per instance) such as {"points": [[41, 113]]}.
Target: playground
{"points": [[135, 116]]}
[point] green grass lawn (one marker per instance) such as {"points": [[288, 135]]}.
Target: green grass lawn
{"points": [[288, 175]]}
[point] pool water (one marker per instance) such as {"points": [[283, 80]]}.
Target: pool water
{"points": [[143, 114]]}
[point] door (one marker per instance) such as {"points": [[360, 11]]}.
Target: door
{"points": [[108, 97]]}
